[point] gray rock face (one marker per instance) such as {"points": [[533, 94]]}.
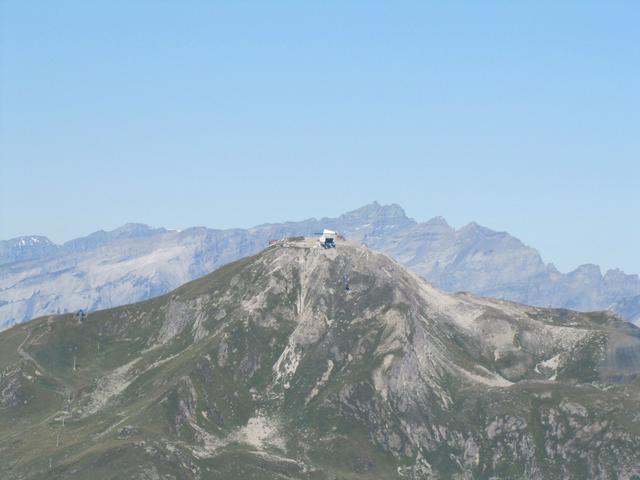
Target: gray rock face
{"points": [[137, 262], [270, 368]]}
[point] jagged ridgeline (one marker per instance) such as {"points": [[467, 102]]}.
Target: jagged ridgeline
{"points": [[310, 363]]}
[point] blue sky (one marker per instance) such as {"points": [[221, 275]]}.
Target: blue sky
{"points": [[522, 116]]}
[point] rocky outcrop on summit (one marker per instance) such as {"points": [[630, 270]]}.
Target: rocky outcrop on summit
{"points": [[136, 262], [306, 363]]}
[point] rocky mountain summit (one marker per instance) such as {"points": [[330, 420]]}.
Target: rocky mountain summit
{"points": [[137, 262], [311, 363], [26, 248]]}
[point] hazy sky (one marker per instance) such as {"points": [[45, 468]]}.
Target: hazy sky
{"points": [[524, 117]]}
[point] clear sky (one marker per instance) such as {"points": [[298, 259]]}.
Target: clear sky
{"points": [[522, 116]]}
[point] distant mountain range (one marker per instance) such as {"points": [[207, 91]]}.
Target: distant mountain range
{"points": [[136, 262]]}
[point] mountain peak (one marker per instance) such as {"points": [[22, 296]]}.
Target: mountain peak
{"points": [[588, 270], [437, 221], [133, 230], [132, 227], [300, 345], [475, 228], [374, 210], [27, 241], [28, 247]]}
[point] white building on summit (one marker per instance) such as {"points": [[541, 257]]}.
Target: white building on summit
{"points": [[327, 238]]}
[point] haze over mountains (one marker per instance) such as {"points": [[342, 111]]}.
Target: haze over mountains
{"points": [[271, 368], [137, 262]]}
